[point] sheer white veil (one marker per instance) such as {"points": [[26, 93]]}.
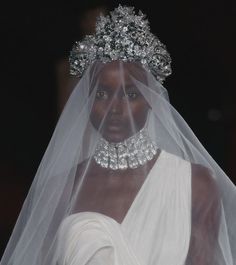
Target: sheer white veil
{"points": [[68, 159]]}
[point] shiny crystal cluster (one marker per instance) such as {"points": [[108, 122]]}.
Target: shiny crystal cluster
{"points": [[131, 153], [122, 35]]}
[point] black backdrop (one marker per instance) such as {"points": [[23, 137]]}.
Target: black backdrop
{"points": [[200, 36]]}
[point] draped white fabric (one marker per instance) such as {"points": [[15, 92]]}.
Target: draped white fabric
{"points": [[156, 230]]}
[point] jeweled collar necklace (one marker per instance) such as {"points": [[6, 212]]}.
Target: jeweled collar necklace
{"points": [[131, 153]]}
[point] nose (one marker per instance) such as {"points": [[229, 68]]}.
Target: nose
{"points": [[117, 105]]}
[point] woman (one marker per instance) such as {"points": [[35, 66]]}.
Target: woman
{"points": [[124, 180]]}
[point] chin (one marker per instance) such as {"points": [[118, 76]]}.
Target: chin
{"points": [[116, 137]]}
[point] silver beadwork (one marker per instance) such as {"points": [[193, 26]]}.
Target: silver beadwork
{"points": [[131, 153], [122, 35]]}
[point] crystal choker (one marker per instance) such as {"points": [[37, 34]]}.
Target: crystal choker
{"points": [[131, 153]]}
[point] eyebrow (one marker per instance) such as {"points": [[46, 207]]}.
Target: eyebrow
{"points": [[127, 87], [102, 86], [131, 86]]}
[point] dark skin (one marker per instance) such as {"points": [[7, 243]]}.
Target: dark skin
{"points": [[119, 106], [205, 218], [107, 191], [112, 192]]}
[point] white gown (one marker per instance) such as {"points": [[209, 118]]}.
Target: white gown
{"points": [[155, 231]]}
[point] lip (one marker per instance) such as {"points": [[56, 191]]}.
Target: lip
{"points": [[114, 124]]}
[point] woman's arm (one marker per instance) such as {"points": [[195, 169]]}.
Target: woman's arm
{"points": [[205, 218]]}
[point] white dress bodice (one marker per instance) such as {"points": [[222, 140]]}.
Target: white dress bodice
{"points": [[155, 231]]}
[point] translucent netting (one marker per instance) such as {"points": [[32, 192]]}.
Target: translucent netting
{"points": [[114, 101]]}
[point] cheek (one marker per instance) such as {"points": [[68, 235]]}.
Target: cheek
{"points": [[97, 114], [139, 111]]}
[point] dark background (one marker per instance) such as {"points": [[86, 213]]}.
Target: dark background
{"points": [[200, 36]]}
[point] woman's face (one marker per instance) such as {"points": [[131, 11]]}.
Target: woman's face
{"points": [[119, 108]]}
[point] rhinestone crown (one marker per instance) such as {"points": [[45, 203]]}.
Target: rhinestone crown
{"points": [[122, 35]]}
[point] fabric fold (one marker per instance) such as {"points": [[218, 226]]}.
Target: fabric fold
{"points": [[92, 239]]}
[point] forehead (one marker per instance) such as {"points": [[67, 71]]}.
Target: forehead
{"points": [[117, 73]]}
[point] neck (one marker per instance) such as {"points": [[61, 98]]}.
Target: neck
{"points": [[133, 152]]}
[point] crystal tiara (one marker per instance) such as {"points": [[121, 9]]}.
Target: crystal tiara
{"points": [[122, 35]]}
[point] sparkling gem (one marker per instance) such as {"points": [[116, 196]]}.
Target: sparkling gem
{"points": [[131, 40]]}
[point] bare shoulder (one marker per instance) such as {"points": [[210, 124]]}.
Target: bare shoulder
{"points": [[204, 186], [202, 178], [82, 166], [88, 167]]}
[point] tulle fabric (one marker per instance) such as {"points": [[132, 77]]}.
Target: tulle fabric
{"points": [[115, 101]]}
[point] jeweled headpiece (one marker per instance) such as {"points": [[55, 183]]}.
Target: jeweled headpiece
{"points": [[122, 35]]}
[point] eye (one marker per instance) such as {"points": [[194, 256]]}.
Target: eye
{"points": [[131, 95], [101, 94]]}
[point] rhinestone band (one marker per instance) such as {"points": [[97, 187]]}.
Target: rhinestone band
{"points": [[131, 153]]}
